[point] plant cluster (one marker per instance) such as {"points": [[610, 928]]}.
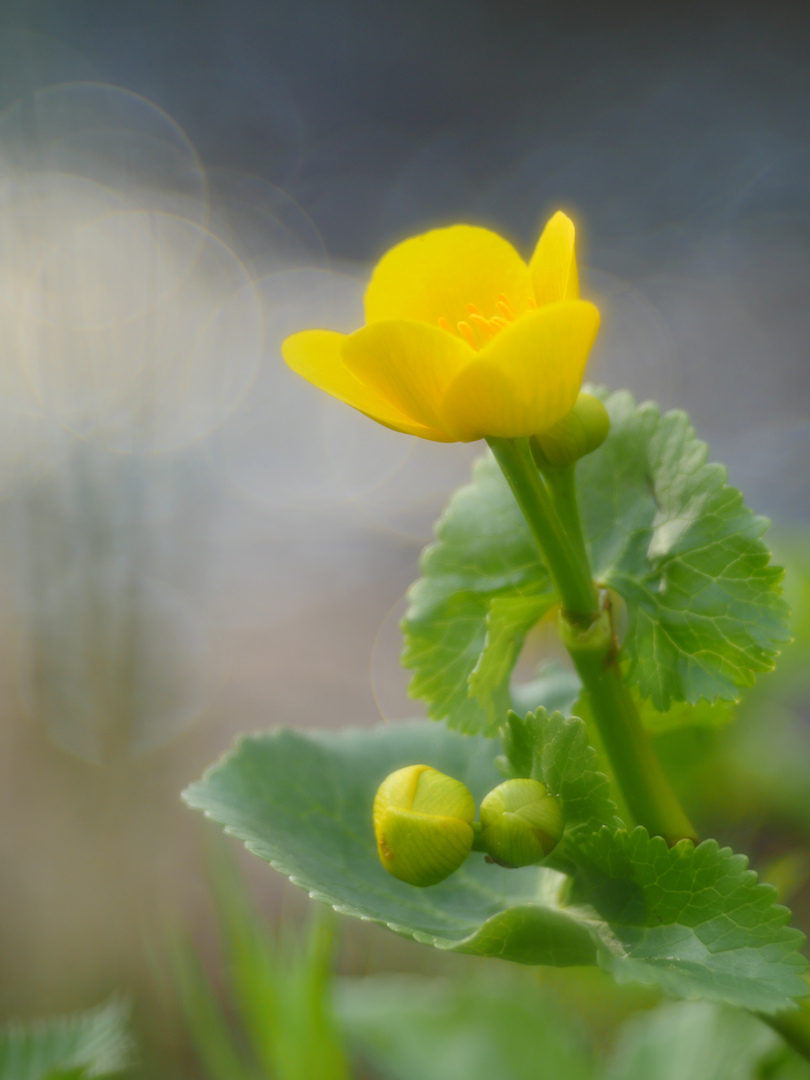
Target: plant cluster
{"points": [[590, 509]]}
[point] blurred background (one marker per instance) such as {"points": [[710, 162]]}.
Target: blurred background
{"points": [[194, 542]]}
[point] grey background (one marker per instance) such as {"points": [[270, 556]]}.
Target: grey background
{"points": [[678, 135]]}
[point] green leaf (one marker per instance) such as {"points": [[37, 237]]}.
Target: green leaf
{"points": [[694, 1040], [303, 802], [681, 714], [555, 750], [691, 920], [485, 1028], [484, 553], [704, 607], [558, 689], [508, 618], [90, 1044]]}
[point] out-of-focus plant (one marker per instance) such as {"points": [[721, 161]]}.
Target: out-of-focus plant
{"points": [[280, 1014], [486, 1028], [94, 1044], [606, 514], [496, 1028], [278, 1021]]}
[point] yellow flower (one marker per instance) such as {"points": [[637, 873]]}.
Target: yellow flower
{"points": [[462, 339]]}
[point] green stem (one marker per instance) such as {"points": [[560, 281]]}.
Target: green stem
{"points": [[552, 514], [570, 574], [561, 483], [587, 632], [638, 772]]}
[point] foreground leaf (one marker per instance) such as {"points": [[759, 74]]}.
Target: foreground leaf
{"points": [[303, 802], [704, 610], [90, 1044], [691, 920]]}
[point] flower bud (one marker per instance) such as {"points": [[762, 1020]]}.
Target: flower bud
{"points": [[521, 823], [423, 824], [580, 432]]}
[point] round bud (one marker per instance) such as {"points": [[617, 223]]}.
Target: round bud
{"points": [[521, 823], [423, 824], [580, 432]]}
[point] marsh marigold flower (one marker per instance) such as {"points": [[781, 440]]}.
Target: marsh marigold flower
{"points": [[462, 339]]}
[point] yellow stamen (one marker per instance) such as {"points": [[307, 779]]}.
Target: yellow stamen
{"points": [[477, 321], [505, 308], [466, 332], [484, 325]]}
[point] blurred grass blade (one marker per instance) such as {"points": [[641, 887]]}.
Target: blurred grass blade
{"points": [[250, 956], [280, 988], [210, 1032], [312, 1045]]}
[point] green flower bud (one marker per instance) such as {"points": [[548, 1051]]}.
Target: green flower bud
{"points": [[580, 432], [423, 824], [521, 823]]}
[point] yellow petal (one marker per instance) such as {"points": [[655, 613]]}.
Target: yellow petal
{"points": [[527, 378], [410, 364], [436, 275], [554, 264], [316, 354]]}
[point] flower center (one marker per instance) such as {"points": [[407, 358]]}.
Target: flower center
{"points": [[476, 329]]}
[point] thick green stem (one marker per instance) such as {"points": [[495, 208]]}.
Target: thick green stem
{"points": [[562, 485], [570, 575], [587, 633], [638, 772]]}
